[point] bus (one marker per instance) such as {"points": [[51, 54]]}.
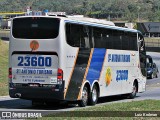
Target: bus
{"points": [[74, 59]]}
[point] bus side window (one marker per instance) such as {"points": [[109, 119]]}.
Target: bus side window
{"points": [[85, 36], [91, 37], [75, 38], [117, 41], [97, 37], [108, 38], [105, 42], [125, 41], [133, 41], [68, 35]]}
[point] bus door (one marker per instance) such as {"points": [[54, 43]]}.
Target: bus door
{"points": [[142, 53]]}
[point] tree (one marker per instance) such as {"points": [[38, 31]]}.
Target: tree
{"points": [[129, 10]]}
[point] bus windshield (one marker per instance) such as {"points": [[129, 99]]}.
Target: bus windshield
{"points": [[35, 28]]}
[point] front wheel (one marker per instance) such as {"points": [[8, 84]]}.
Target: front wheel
{"points": [[94, 96], [84, 101], [152, 76], [134, 91], [156, 75]]}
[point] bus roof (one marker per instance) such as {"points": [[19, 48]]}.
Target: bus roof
{"points": [[89, 21], [92, 20], [97, 23]]}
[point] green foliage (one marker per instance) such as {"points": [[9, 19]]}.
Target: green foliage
{"points": [[128, 10], [3, 68], [145, 105], [122, 109]]}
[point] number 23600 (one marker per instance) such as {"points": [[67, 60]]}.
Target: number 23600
{"points": [[34, 61]]}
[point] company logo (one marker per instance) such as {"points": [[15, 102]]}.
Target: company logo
{"points": [[34, 45], [6, 114], [20, 115], [118, 58], [122, 75], [108, 76]]}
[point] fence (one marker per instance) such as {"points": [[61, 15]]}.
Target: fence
{"points": [[152, 44], [4, 34]]}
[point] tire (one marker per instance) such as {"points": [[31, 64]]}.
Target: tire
{"points": [[152, 76], [84, 101], [134, 91], [156, 75], [93, 96]]}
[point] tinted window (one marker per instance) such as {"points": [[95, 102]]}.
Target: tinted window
{"points": [[79, 36], [97, 37], [35, 28], [107, 38], [126, 41], [117, 39], [133, 41]]}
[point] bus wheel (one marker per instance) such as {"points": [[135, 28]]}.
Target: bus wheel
{"points": [[156, 75], [134, 91], [94, 96], [84, 101], [152, 76]]}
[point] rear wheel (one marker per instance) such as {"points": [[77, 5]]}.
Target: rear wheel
{"points": [[94, 96], [134, 91], [84, 101]]}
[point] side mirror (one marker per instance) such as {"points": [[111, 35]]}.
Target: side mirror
{"points": [[141, 45], [142, 49]]}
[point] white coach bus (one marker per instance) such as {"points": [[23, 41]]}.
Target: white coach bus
{"points": [[54, 59]]}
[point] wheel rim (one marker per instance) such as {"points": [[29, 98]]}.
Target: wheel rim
{"points": [[94, 94], [152, 76], [85, 95]]}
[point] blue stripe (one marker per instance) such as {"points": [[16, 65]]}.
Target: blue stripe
{"points": [[96, 65]]}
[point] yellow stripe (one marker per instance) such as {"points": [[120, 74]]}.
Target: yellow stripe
{"points": [[71, 74], [85, 75], [11, 13]]}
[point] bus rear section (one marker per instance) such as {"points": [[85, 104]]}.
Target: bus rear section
{"points": [[34, 71]]}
